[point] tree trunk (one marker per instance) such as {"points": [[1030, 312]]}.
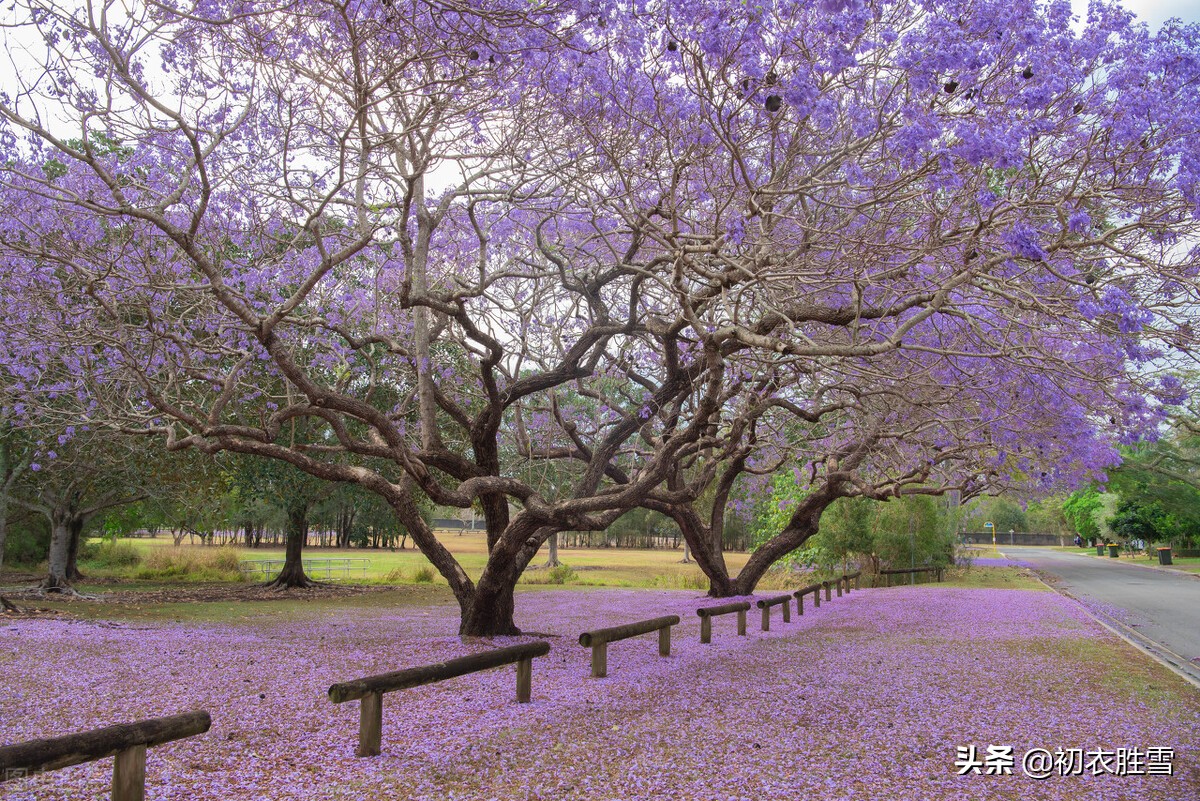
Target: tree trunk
{"points": [[60, 546], [76, 528], [490, 612], [292, 574], [804, 523], [687, 553], [553, 560], [3, 528]]}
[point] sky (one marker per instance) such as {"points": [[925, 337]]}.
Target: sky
{"points": [[1154, 12]]}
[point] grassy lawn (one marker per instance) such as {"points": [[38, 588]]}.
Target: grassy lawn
{"points": [[609, 567], [1190, 564]]}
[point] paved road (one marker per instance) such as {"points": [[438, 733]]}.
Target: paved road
{"points": [[1160, 608]]}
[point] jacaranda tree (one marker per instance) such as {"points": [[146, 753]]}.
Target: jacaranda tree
{"points": [[902, 246]]}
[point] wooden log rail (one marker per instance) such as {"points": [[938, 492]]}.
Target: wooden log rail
{"points": [[599, 639], [815, 590], [369, 691], [913, 571], [779, 600], [709, 612], [127, 741]]}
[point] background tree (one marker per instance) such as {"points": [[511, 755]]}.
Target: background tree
{"points": [[84, 475]]}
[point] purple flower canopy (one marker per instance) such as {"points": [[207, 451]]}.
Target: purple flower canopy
{"points": [[940, 245]]}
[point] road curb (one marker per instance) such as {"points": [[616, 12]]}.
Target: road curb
{"points": [[1130, 636], [1159, 568]]}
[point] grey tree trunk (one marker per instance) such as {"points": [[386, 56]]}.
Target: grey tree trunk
{"points": [[3, 528], [553, 560], [75, 528], [60, 546]]}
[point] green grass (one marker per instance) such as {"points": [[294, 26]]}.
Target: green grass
{"points": [[1190, 564], [606, 567], [238, 610], [993, 578]]}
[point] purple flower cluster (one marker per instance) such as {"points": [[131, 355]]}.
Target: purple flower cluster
{"points": [[867, 697]]}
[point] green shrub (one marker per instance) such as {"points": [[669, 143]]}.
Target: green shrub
{"points": [[394, 575], [27, 544], [109, 554], [423, 575], [562, 574], [192, 563], [681, 581]]}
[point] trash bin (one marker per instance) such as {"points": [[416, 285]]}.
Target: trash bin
{"points": [[1164, 556], [1099, 550], [1114, 550]]}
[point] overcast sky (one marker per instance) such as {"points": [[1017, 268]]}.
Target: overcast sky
{"points": [[1153, 12]]}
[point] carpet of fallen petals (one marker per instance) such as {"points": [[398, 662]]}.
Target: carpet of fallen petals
{"points": [[866, 698]]}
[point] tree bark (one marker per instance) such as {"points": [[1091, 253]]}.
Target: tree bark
{"points": [[292, 574], [490, 612], [553, 560], [60, 545], [75, 527], [804, 523], [3, 528]]}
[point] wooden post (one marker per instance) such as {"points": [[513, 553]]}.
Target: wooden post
{"points": [[129, 774], [828, 596], [742, 622], [800, 604], [524, 680], [600, 660], [706, 629], [787, 612], [664, 641], [370, 725], [817, 598], [766, 618]]}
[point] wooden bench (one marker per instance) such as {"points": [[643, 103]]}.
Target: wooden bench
{"points": [[369, 691], [127, 741], [779, 600], [599, 639], [709, 612]]}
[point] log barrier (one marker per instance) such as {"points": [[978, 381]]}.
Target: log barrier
{"points": [[599, 639], [126, 741], [914, 572], [765, 605], [815, 589], [708, 613], [369, 690]]}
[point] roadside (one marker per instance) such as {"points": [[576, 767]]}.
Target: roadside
{"points": [[1189, 565], [1154, 609]]}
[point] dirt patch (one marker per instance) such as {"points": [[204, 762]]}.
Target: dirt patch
{"points": [[11, 611], [213, 593]]}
